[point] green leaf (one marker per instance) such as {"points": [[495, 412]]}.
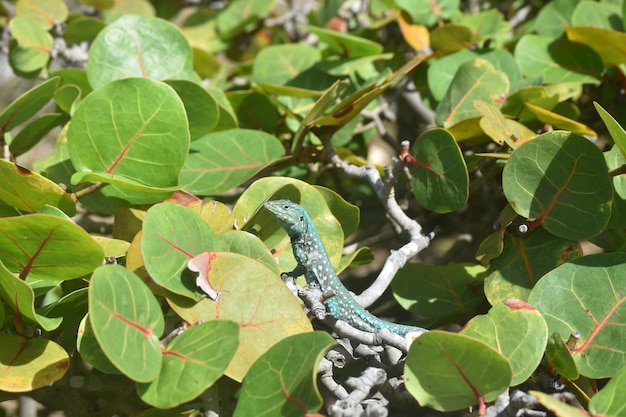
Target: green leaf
{"points": [[131, 131], [450, 37], [438, 172], [615, 129], [516, 330], [609, 44], [546, 178], [281, 64], [442, 71], [254, 110], [253, 296], [476, 79], [615, 159], [554, 17], [239, 14], [608, 401], [557, 61], [427, 12], [127, 322], [192, 362], [448, 372], [586, 296], [249, 245], [28, 364], [172, 236], [19, 297], [47, 247], [139, 46], [28, 104], [524, 260], [32, 133], [220, 161], [46, 12], [344, 44], [33, 44], [598, 14], [438, 291], [282, 382], [560, 358], [90, 350], [202, 109], [28, 191]]}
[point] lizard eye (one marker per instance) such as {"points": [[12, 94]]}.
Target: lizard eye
{"points": [[301, 218]]}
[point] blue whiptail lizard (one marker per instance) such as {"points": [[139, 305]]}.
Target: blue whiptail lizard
{"points": [[314, 264]]}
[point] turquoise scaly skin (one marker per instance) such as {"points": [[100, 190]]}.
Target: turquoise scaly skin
{"points": [[314, 264]]}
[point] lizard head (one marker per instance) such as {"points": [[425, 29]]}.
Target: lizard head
{"points": [[291, 216]]}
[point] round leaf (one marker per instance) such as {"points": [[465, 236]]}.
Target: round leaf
{"points": [[172, 236], [220, 161], [127, 322], [476, 79], [29, 103], [516, 330], [192, 362], [449, 371], [202, 109], [47, 247], [253, 296], [28, 364], [279, 64], [282, 382], [439, 174], [28, 191], [586, 296], [608, 402], [131, 132], [139, 46], [20, 299], [524, 260], [561, 180]]}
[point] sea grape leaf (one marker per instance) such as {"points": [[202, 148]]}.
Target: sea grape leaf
{"points": [[554, 17], [172, 236], [47, 247], [438, 172], [494, 124], [476, 79], [239, 14], [585, 296], [450, 38], [32, 47], [615, 129], [448, 372], [90, 350], [441, 71], [28, 191], [244, 243], [615, 159], [438, 291], [19, 298], [132, 132], [426, 12], [139, 46], [249, 293], [545, 178], [28, 364], [345, 44], [282, 382], [602, 15], [540, 56], [524, 260], [609, 44], [516, 330], [281, 64], [607, 402], [26, 105], [560, 358], [192, 362], [33, 132], [220, 161], [127, 322], [202, 109]]}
